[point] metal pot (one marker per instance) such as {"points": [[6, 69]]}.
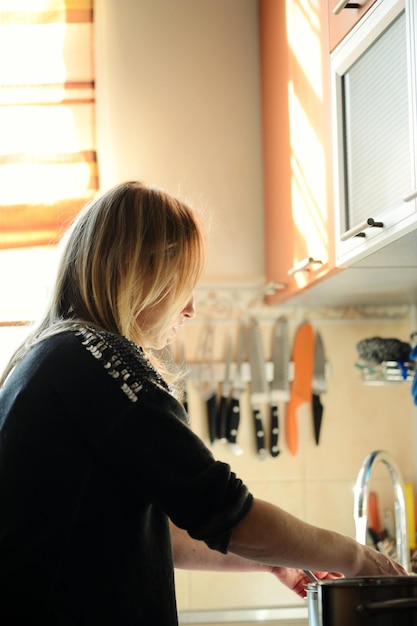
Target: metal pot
{"points": [[370, 601]]}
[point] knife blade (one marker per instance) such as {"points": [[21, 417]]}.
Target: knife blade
{"points": [[301, 385], [280, 385], [182, 363], [238, 387], [319, 384], [226, 388], [259, 384], [206, 384]]}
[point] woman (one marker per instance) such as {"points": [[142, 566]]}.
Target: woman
{"points": [[103, 486]]}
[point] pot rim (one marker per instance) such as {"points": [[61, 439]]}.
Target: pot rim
{"points": [[365, 581]]}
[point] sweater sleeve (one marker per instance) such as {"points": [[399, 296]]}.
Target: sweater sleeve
{"points": [[164, 462]]}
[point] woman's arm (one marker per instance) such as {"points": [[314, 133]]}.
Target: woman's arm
{"points": [[267, 534], [192, 554], [269, 539]]}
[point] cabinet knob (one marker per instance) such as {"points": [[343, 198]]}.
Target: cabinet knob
{"points": [[345, 4], [410, 196], [303, 265], [357, 231]]}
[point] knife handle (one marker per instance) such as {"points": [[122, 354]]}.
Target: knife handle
{"points": [[233, 420], [222, 418], [212, 416], [259, 432], [274, 430]]}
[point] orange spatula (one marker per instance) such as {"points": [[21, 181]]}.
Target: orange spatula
{"points": [[301, 385]]}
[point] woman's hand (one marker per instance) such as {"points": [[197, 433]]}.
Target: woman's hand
{"points": [[297, 580], [372, 562]]}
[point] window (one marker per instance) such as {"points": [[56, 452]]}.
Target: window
{"points": [[48, 163]]}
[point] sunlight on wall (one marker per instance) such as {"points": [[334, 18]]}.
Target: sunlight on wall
{"points": [[308, 167], [303, 28], [308, 158]]}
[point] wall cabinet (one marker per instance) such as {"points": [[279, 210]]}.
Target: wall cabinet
{"points": [[296, 145], [303, 199], [343, 16], [374, 131]]}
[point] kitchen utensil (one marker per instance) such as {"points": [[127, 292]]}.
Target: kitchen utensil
{"points": [[259, 384], [301, 385], [411, 525], [205, 383], [373, 512], [319, 384], [370, 601], [312, 598], [280, 386], [238, 388], [226, 387]]}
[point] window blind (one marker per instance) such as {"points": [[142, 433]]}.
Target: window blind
{"points": [[48, 161]]}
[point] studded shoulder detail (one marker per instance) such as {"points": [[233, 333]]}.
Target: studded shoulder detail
{"points": [[122, 359]]}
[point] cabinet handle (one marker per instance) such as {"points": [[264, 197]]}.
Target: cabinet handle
{"points": [[345, 4], [410, 196], [357, 231], [303, 265]]}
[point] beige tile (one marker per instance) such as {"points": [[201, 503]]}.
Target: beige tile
{"points": [[182, 587], [244, 590], [285, 494], [317, 483], [329, 504], [357, 418]]}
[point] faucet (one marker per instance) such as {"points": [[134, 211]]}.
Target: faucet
{"points": [[360, 506]]}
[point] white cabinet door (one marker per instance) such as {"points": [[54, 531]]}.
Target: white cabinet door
{"points": [[373, 74]]}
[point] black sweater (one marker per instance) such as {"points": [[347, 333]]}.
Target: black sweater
{"points": [[95, 456]]}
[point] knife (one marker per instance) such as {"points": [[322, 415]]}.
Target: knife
{"points": [[280, 386], [238, 388], [226, 388], [301, 385], [206, 384], [259, 385], [319, 384]]}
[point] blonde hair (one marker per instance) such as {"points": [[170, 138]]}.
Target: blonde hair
{"points": [[124, 254]]}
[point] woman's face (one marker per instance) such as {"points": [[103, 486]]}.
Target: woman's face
{"points": [[159, 332]]}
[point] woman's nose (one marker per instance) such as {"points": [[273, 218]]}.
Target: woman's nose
{"points": [[189, 309]]}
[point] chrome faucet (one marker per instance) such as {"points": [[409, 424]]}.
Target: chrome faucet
{"points": [[360, 506]]}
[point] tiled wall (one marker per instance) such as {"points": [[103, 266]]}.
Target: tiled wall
{"points": [[317, 483]]}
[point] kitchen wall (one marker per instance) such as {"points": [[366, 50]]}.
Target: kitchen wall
{"points": [[178, 106], [316, 484]]}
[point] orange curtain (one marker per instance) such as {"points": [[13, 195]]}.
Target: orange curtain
{"points": [[48, 163]]}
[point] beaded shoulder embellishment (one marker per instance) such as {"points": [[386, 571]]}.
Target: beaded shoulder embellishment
{"points": [[123, 360]]}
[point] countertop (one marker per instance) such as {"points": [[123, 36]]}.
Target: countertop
{"points": [[291, 616]]}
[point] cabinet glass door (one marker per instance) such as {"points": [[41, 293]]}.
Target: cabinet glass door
{"points": [[374, 130]]}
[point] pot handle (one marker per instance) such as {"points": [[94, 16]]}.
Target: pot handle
{"points": [[400, 604]]}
